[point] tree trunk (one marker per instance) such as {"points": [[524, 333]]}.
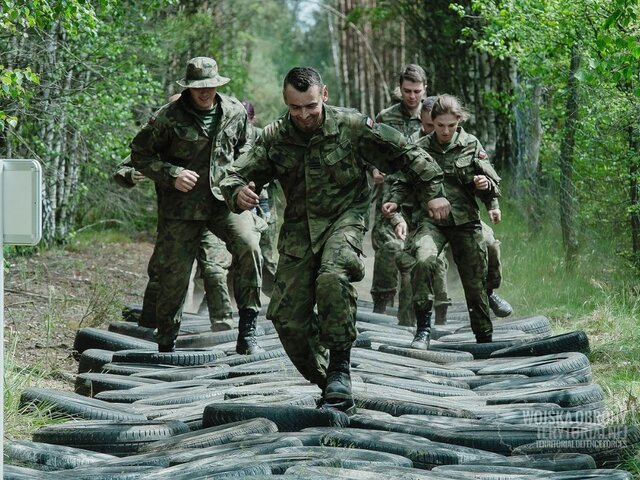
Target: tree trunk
{"points": [[567, 186], [634, 192]]}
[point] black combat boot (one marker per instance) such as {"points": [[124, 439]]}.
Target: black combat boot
{"points": [[441, 314], [381, 301], [484, 338], [423, 330], [247, 343], [167, 348], [499, 306], [337, 393]]}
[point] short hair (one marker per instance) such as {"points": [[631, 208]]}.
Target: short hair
{"points": [[427, 103], [413, 73], [248, 106], [301, 78], [449, 104]]}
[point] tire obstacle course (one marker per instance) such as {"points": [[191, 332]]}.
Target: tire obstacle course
{"points": [[522, 407]]}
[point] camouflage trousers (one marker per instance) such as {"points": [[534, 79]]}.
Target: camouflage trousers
{"points": [[387, 270], [176, 248], [213, 261], [494, 268], [320, 279], [469, 251]]}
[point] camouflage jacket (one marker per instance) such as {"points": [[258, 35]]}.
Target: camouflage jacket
{"points": [[398, 117], [324, 180], [173, 141], [460, 161]]}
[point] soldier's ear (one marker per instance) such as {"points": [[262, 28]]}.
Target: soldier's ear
{"points": [[325, 93]]}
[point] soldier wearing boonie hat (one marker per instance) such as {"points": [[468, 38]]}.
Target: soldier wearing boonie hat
{"points": [[202, 72], [186, 148]]}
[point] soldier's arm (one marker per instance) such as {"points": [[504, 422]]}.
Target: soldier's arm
{"points": [[145, 153], [387, 149], [252, 166], [484, 167], [123, 175]]}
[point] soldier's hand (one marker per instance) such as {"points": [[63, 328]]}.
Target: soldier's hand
{"points": [[495, 215], [439, 208], [138, 177], [247, 197], [378, 177], [401, 230], [186, 180], [388, 209], [481, 182]]}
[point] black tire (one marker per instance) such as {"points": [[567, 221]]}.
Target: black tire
{"points": [[217, 435], [565, 396], [418, 386], [74, 405], [377, 318], [423, 454], [117, 438], [176, 374], [568, 342], [536, 325], [609, 446], [13, 472], [119, 368], [287, 418], [506, 383], [136, 472], [602, 474], [477, 350], [147, 391], [544, 365], [491, 472], [233, 360], [401, 407], [132, 330], [90, 383], [190, 395], [45, 456], [442, 356], [181, 358], [90, 337], [356, 454], [555, 462], [93, 359]]}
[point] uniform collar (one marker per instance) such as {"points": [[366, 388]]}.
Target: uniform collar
{"points": [[329, 126], [405, 112]]}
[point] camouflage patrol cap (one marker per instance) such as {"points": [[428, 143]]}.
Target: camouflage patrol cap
{"points": [[202, 72]]}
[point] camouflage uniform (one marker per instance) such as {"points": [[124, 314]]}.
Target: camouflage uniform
{"points": [[172, 141], [460, 161], [324, 180], [494, 266], [385, 244], [213, 261]]}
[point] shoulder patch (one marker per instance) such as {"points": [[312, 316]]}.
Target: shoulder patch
{"points": [[151, 120], [370, 122], [482, 155]]}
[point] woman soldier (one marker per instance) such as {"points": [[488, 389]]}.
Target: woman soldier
{"points": [[467, 175]]}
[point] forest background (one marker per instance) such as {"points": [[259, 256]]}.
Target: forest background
{"points": [[553, 88]]}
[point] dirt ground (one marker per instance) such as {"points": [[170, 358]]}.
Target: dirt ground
{"points": [[50, 295]]}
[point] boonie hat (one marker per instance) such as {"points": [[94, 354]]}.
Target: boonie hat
{"points": [[202, 72]]}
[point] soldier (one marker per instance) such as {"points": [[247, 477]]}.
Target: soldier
{"points": [[499, 306], [320, 154], [186, 149], [266, 211], [213, 260], [467, 173], [404, 117]]}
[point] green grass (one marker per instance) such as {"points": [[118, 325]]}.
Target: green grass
{"points": [[600, 294]]}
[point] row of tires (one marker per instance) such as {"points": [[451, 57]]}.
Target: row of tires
{"points": [[528, 409]]}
